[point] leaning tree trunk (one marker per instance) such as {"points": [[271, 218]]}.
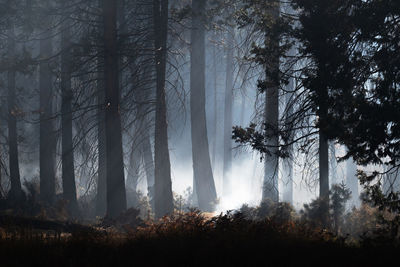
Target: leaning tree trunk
{"points": [[67, 157], [163, 200], [270, 183], [116, 195], [202, 172], [15, 192], [228, 113], [47, 136]]}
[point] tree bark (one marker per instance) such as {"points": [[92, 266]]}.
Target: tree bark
{"points": [[16, 192], [271, 162], [67, 158], [228, 113], [202, 172], [116, 195], [47, 136], [163, 201], [323, 153], [101, 196]]}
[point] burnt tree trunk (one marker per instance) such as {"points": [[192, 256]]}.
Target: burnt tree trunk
{"points": [[163, 199], [116, 195], [202, 172]]}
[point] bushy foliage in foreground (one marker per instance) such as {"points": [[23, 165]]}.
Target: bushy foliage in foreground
{"points": [[192, 240]]}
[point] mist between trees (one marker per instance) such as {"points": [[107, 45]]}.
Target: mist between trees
{"points": [[168, 105]]}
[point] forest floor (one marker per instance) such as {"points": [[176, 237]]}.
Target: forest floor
{"points": [[184, 240]]}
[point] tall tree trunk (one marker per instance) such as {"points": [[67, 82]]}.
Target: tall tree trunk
{"points": [[202, 172], [67, 158], [47, 136], [228, 112], [352, 182], [163, 201], [116, 195], [101, 196], [271, 162], [215, 124], [15, 192], [323, 154], [287, 170]]}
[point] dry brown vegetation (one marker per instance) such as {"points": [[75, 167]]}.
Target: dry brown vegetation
{"points": [[188, 239]]}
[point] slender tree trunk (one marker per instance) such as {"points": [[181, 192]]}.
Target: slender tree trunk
{"points": [[215, 124], [101, 196], [142, 133], [287, 171], [116, 195], [352, 182], [203, 176], [67, 158], [15, 192], [228, 112], [47, 135], [271, 162], [163, 201]]}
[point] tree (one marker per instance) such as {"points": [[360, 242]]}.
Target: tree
{"points": [[163, 199], [67, 158], [228, 109], [16, 192], [354, 76], [287, 163], [271, 88], [101, 194], [47, 134], [202, 171], [116, 195]]}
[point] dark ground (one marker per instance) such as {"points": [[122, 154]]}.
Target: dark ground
{"points": [[186, 240]]}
